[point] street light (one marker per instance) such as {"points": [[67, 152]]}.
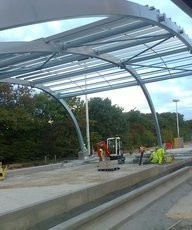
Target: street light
{"points": [[177, 100], [87, 120]]}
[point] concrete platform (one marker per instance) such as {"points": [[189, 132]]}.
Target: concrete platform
{"points": [[182, 209], [161, 213], [25, 186], [30, 196]]}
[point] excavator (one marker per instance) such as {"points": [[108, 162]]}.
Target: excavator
{"points": [[111, 148]]}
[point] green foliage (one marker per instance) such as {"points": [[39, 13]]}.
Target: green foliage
{"points": [[105, 118], [34, 125]]}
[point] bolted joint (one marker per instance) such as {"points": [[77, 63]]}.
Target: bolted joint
{"points": [[32, 85], [161, 18], [180, 31], [96, 52], [151, 8]]}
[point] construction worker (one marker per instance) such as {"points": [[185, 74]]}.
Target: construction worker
{"points": [[102, 155], [160, 154], [153, 157], [141, 150], [156, 156]]}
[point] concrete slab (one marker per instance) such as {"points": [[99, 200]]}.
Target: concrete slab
{"points": [[182, 209], [26, 187], [23, 190], [65, 186], [112, 214]]}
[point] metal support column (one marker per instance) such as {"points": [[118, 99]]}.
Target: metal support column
{"points": [[74, 120], [80, 137], [147, 96]]}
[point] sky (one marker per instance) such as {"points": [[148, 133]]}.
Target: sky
{"points": [[131, 98]]}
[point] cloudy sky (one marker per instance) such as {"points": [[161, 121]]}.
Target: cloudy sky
{"points": [[132, 97]]}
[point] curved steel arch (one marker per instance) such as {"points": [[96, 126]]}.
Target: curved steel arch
{"points": [[118, 38], [36, 11], [77, 128], [74, 120], [116, 62], [150, 103]]}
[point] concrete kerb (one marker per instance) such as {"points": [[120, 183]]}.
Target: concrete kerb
{"points": [[88, 216], [103, 189], [31, 215], [154, 191]]}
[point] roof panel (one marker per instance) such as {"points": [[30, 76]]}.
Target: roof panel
{"points": [[94, 56]]}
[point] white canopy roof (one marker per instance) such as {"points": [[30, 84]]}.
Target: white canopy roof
{"points": [[97, 56]]}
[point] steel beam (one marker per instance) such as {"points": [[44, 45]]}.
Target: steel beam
{"points": [[66, 107]]}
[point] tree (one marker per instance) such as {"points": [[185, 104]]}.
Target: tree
{"points": [[106, 120], [15, 122], [59, 137], [33, 124]]}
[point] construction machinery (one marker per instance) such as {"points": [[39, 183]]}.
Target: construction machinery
{"points": [[114, 147], [111, 148], [3, 171]]}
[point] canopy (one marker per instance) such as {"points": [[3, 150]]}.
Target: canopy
{"points": [[114, 44], [96, 56]]}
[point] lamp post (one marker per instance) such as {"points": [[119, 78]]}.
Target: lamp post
{"points": [[87, 120], [177, 100], [87, 126]]}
